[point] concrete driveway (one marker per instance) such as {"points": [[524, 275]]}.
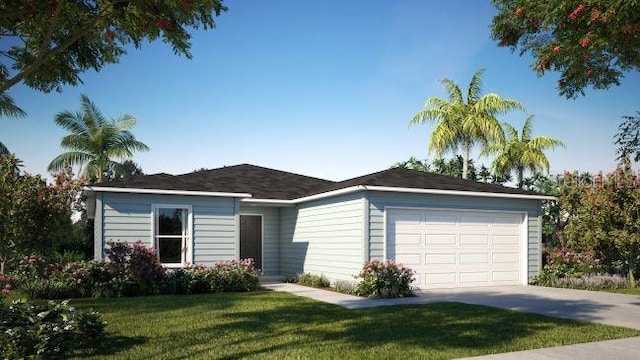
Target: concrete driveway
{"points": [[592, 306]]}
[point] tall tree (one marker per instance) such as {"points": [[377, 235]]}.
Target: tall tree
{"points": [[591, 43], [520, 151], [462, 123], [95, 141], [413, 164], [47, 44]]}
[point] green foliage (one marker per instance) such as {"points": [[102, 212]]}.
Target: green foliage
{"points": [[583, 282], [47, 330], [346, 287], [604, 216], [94, 141], [591, 43], [52, 42], [312, 280], [132, 270], [628, 138], [35, 217], [228, 276], [463, 122], [384, 279], [520, 151]]}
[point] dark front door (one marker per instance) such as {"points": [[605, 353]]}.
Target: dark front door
{"points": [[251, 238]]}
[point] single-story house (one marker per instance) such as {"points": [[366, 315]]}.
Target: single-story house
{"points": [[451, 232]]}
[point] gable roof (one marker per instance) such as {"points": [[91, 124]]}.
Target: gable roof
{"points": [[263, 183]]}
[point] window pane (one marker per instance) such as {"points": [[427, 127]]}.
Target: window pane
{"points": [[170, 221], [170, 250]]}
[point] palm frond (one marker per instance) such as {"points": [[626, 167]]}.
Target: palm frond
{"points": [[9, 108], [3, 149], [126, 122], [67, 159], [475, 87], [454, 92], [527, 128]]}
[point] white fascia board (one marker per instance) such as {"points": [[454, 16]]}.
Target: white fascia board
{"points": [[269, 202], [327, 194], [164, 192], [459, 193]]}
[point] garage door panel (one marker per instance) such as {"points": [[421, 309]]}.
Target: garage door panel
{"points": [[505, 240], [475, 220], [474, 277], [410, 260], [450, 248], [409, 239], [506, 258], [440, 259], [474, 239], [441, 239], [474, 258], [509, 276], [444, 279]]}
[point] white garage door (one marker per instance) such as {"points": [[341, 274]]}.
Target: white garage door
{"points": [[449, 248]]}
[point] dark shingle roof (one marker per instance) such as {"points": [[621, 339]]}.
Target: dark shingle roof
{"points": [[264, 183], [260, 182], [406, 178]]}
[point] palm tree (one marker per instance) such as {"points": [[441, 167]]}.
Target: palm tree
{"points": [[463, 123], [95, 141], [520, 151], [9, 109]]}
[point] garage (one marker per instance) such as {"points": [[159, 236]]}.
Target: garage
{"points": [[458, 248]]}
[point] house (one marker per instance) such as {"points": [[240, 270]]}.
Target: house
{"points": [[451, 232]]}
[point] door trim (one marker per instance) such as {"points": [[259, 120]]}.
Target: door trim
{"points": [[523, 235], [261, 237]]}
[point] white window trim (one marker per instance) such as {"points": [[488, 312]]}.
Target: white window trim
{"points": [[188, 259]]}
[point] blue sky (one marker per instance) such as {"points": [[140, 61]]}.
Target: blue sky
{"points": [[322, 88]]}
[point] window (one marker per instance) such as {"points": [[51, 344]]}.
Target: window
{"points": [[171, 234]]}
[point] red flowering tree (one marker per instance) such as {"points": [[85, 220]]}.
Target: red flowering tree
{"points": [[589, 42], [603, 215], [34, 216]]}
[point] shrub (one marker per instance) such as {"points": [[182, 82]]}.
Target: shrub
{"points": [[49, 330], [306, 279], [5, 286], [564, 262], [583, 282], [221, 277], [345, 287], [386, 279]]}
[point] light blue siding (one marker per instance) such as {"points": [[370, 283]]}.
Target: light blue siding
{"points": [[270, 236], [324, 237], [128, 217], [379, 200]]}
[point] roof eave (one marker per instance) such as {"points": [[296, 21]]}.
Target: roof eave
{"points": [[164, 192], [459, 193]]}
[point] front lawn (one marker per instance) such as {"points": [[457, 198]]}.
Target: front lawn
{"points": [[280, 325], [629, 291]]}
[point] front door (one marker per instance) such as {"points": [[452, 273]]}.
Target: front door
{"points": [[251, 239]]}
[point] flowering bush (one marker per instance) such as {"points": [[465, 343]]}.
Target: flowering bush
{"points": [[139, 263], [564, 262], [49, 330], [386, 279]]}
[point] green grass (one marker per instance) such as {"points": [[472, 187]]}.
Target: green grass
{"points": [[279, 325], [629, 291]]}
